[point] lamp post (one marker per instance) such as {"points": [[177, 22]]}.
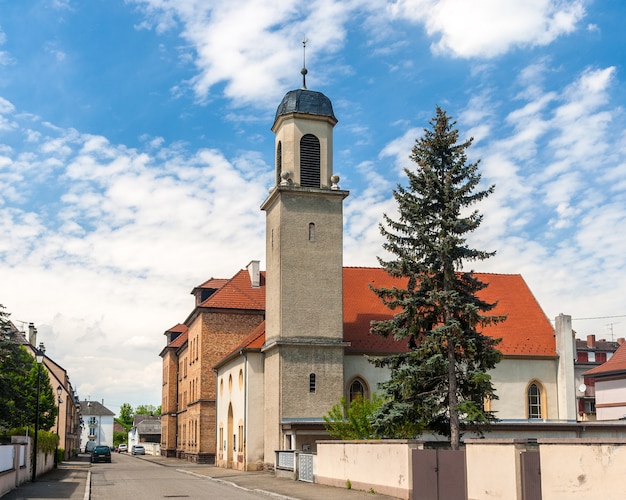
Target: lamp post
{"points": [[39, 355], [56, 451]]}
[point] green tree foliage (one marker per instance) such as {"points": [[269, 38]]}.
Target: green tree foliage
{"points": [[352, 421], [148, 410], [18, 385], [442, 381], [125, 418]]}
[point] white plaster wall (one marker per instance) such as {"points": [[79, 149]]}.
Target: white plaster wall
{"points": [[511, 378], [584, 470], [492, 470], [384, 466], [357, 365], [611, 392]]}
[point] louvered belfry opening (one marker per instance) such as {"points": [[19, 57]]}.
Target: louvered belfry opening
{"points": [[310, 161], [279, 162]]}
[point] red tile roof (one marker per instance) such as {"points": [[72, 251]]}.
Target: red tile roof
{"points": [[212, 283], [179, 328], [615, 364], [526, 332], [238, 293]]}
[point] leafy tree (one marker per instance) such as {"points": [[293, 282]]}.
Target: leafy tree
{"points": [[126, 416], [352, 421], [148, 410], [442, 381], [18, 385]]}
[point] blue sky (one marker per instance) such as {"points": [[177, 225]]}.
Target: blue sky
{"points": [[135, 151]]}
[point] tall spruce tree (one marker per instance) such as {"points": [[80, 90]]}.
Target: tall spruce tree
{"points": [[442, 381]]}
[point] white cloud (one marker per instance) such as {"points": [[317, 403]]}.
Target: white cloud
{"points": [[489, 28]]}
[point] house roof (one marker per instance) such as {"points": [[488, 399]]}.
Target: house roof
{"points": [[94, 408], [238, 293], [615, 364], [526, 332], [179, 328]]}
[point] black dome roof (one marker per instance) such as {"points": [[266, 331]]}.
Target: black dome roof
{"points": [[305, 101]]}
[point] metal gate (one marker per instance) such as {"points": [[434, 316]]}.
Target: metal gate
{"points": [[439, 475], [305, 467], [530, 468]]}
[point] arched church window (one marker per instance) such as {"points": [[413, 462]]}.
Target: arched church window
{"points": [[534, 398], [357, 389], [279, 161], [310, 161], [312, 382]]}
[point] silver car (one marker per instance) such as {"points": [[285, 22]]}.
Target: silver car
{"points": [[137, 449]]}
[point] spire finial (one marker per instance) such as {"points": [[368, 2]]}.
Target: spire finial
{"points": [[304, 70]]}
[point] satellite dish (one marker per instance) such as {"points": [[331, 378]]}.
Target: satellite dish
{"points": [[582, 387]]}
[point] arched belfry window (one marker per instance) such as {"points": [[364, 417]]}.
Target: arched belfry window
{"points": [[310, 161], [279, 161]]}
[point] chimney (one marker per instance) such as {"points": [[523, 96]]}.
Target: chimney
{"points": [[591, 341], [620, 341], [32, 334], [255, 273]]}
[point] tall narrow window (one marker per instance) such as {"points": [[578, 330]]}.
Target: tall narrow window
{"points": [[312, 382], [356, 390], [310, 161], [534, 401], [279, 162], [311, 231]]}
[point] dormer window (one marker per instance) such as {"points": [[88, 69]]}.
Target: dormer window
{"points": [[310, 161]]}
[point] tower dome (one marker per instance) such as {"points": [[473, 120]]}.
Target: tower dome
{"points": [[306, 102]]}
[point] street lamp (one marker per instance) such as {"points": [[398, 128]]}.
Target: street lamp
{"points": [[39, 355], [56, 451]]}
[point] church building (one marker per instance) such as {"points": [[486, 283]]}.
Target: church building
{"points": [[263, 356]]}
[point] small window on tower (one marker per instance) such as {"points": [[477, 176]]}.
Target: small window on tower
{"points": [[311, 231], [312, 382], [279, 162]]}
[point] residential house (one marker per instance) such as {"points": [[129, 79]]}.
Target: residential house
{"points": [[146, 429], [609, 382], [98, 422]]}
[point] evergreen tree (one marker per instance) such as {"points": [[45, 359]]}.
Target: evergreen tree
{"points": [[442, 381]]}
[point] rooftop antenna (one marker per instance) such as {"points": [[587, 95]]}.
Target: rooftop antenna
{"points": [[610, 325], [303, 70]]}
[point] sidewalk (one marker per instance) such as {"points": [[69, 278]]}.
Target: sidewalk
{"points": [[69, 480], [266, 482]]}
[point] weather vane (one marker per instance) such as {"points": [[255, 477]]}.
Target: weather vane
{"points": [[304, 71]]}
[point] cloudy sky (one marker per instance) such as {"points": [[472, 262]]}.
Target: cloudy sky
{"points": [[135, 151]]}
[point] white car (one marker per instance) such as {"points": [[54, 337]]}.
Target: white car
{"points": [[122, 448], [137, 449]]}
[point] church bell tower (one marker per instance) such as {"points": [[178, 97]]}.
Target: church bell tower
{"points": [[304, 253]]}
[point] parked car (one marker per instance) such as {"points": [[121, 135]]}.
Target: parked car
{"points": [[101, 454], [89, 446], [122, 448], [137, 449]]}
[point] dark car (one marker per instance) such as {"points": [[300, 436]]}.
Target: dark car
{"points": [[101, 454]]}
